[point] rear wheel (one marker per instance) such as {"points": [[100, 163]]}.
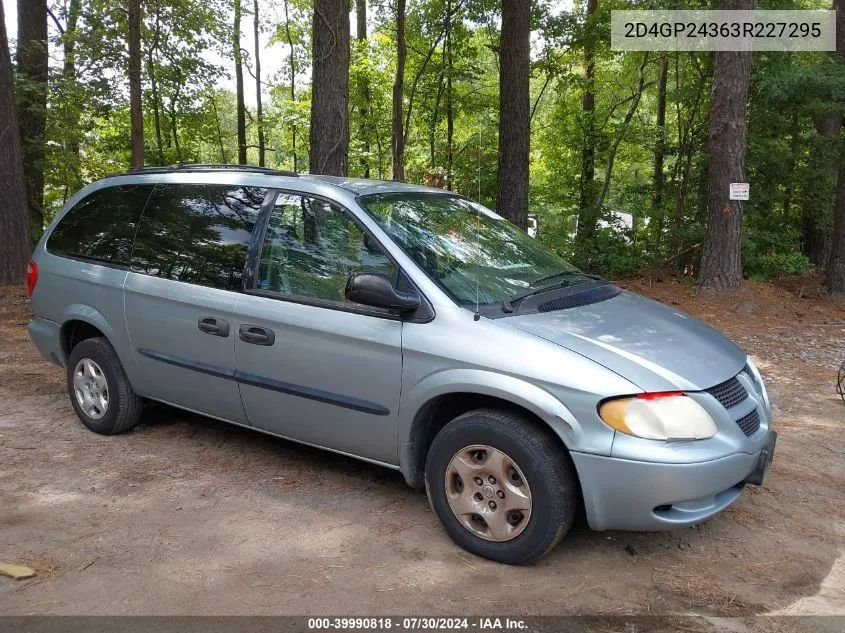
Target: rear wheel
{"points": [[99, 389], [501, 487]]}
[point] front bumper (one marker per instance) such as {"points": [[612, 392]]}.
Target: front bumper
{"points": [[47, 337], [623, 494]]}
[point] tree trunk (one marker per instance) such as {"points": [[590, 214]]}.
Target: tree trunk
{"points": [[588, 215], [794, 158], [450, 112], [421, 71], [514, 111], [379, 150], [154, 82], [364, 87], [684, 167], [73, 178], [292, 81], [818, 202], [239, 84], [687, 147], [611, 157], [329, 133], [721, 259], [660, 142], [14, 247], [398, 133], [836, 265], [435, 117], [259, 119], [223, 158], [156, 113], [817, 244], [32, 105], [136, 113], [174, 127], [678, 177], [406, 131]]}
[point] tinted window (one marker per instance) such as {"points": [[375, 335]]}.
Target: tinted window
{"points": [[101, 226], [311, 248], [197, 233]]}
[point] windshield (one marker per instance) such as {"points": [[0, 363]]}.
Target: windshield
{"points": [[465, 247]]}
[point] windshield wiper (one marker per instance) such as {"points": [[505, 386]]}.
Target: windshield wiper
{"points": [[507, 304], [565, 272]]}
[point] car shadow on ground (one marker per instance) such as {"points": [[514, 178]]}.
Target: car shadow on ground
{"points": [[733, 564]]}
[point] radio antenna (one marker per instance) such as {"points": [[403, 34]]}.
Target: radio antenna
{"points": [[480, 123], [478, 223]]}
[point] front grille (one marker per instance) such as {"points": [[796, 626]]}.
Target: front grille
{"points": [[729, 393], [749, 423]]}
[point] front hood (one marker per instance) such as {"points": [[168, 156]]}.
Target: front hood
{"points": [[655, 347]]}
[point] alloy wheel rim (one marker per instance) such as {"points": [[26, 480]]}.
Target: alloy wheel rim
{"points": [[91, 388], [488, 493]]}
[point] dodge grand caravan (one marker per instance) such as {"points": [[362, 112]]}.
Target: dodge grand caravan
{"points": [[406, 326]]}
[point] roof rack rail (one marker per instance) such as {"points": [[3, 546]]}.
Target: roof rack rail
{"points": [[253, 169]]}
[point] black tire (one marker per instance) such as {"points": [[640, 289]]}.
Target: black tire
{"points": [[547, 468], [124, 405]]}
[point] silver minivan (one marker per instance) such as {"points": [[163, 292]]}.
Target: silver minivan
{"points": [[406, 326]]}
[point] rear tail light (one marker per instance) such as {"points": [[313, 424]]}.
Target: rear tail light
{"points": [[31, 277]]}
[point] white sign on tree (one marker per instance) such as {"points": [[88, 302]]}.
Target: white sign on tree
{"points": [[739, 191]]}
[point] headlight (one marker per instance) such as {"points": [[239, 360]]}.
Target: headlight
{"points": [[668, 415]]}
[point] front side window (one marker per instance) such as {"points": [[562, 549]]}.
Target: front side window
{"points": [[311, 248], [101, 226], [197, 233], [469, 250]]}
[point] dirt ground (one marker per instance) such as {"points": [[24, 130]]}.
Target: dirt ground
{"points": [[186, 515]]}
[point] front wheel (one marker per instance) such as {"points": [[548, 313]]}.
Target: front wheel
{"points": [[502, 488]]}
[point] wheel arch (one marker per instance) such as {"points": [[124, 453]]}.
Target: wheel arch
{"points": [[80, 322], [463, 391]]}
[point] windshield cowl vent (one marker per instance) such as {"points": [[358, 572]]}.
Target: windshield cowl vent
{"points": [[594, 295]]}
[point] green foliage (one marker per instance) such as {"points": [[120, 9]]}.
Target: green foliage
{"points": [[610, 254], [451, 97], [774, 264], [769, 253]]}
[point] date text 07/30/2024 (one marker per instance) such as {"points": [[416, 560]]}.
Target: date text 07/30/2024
{"points": [[416, 624]]}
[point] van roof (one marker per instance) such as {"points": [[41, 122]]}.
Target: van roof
{"points": [[357, 186]]}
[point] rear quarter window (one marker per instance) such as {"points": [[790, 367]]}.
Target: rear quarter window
{"points": [[197, 233], [102, 225]]}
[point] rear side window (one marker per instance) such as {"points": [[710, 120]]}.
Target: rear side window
{"points": [[100, 227], [197, 233]]}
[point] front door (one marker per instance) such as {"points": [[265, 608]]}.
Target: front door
{"points": [[312, 366], [187, 268]]}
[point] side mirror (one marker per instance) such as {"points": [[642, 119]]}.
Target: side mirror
{"points": [[376, 289]]}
